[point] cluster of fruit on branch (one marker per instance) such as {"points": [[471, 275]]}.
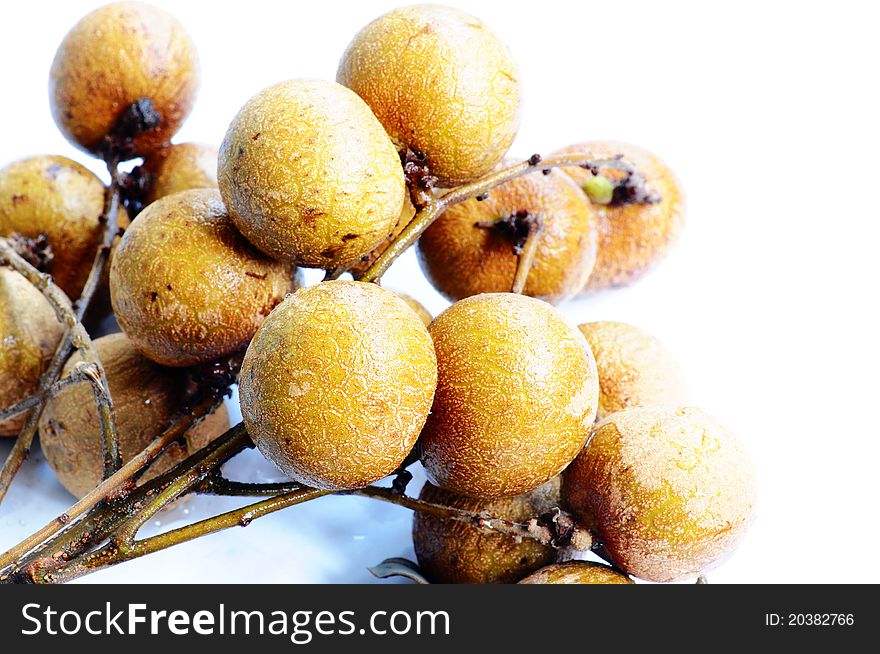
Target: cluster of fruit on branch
{"points": [[540, 439]]}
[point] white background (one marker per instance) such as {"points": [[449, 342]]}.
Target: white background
{"points": [[768, 113]]}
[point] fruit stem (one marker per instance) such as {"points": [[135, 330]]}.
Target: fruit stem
{"points": [[527, 257], [76, 377], [77, 338], [437, 204]]}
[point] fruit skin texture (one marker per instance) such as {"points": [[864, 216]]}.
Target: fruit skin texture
{"points": [[633, 238], [407, 213], [29, 334], [667, 491], [116, 55], [337, 384], [461, 259], [146, 397], [309, 174], [517, 392], [453, 552], [181, 167], [185, 285], [634, 368], [441, 83], [65, 200], [577, 572]]}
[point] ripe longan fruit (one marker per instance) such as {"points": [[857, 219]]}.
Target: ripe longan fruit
{"points": [[517, 391], [577, 572], [118, 54], [180, 167], [146, 397], [453, 552], [309, 175], [407, 213], [634, 368], [186, 287], [633, 237], [29, 334], [668, 492], [337, 384], [461, 255], [64, 200], [441, 83]]}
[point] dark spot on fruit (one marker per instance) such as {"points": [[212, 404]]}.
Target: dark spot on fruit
{"points": [[168, 286], [18, 199], [153, 296], [256, 136], [349, 237], [240, 152], [311, 214], [329, 253], [255, 275]]}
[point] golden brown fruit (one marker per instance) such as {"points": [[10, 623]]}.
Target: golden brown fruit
{"points": [[309, 174], [337, 384], [634, 368], [516, 394], [116, 55], [462, 258], [29, 334], [64, 200], [667, 491], [632, 237], [423, 314], [577, 572], [186, 287], [454, 552], [441, 83], [180, 167], [146, 398]]}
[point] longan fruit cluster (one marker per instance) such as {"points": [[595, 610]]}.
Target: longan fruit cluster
{"points": [[512, 411]]}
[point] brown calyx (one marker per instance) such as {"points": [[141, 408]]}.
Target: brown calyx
{"points": [[630, 185], [36, 251], [517, 227]]}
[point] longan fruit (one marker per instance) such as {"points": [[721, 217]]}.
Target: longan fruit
{"points": [[29, 334], [462, 256], [668, 492], [186, 287], [441, 83], [115, 56], [64, 200], [337, 384], [309, 175], [180, 167], [634, 368], [146, 398], [454, 552], [407, 213], [633, 237], [517, 392], [577, 572]]}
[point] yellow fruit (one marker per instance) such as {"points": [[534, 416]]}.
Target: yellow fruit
{"points": [[64, 200], [186, 287], [632, 237], [577, 572], [461, 256], [407, 213], [667, 491], [441, 83], [337, 384], [453, 552], [516, 394], [146, 397], [309, 174], [29, 334], [634, 368], [118, 54], [180, 167]]}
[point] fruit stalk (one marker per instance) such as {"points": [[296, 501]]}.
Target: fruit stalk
{"points": [[526, 257], [76, 377], [434, 207], [76, 338]]}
